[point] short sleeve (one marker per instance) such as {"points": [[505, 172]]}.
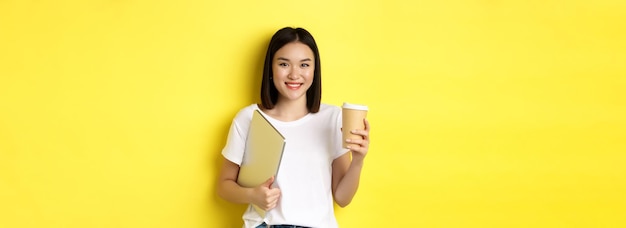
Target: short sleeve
{"points": [[237, 135], [337, 136]]}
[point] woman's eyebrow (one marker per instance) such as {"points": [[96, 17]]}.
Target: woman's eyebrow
{"points": [[286, 59]]}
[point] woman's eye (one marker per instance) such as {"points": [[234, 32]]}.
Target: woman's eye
{"points": [[305, 65], [282, 64]]}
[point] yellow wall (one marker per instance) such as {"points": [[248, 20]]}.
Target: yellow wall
{"points": [[484, 113]]}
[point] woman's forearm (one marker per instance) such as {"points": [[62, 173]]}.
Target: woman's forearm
{"points": [[232, 192], [349, 184]]}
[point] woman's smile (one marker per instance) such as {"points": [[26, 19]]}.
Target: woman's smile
{"points": [[293, 85]]}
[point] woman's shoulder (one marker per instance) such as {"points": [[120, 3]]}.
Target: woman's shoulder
{"points": [[246, 112], [329, 108], [250, 108]]}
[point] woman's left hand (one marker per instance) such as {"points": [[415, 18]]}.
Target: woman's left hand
{"points": [[362, 145]]}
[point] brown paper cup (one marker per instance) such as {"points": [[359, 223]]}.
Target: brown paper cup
{"points": [[352, 119]]}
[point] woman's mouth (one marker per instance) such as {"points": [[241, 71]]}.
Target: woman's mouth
{"points": [[293, 86]]}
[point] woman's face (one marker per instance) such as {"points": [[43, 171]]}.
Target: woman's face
{"points": [[293, 66]]}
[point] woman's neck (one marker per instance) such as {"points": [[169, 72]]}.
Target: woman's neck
{"points": [[288, 110]]}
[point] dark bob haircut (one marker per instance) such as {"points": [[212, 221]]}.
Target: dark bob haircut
{"points": [[269, 93]]}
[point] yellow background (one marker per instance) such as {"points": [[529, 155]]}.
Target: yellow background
{"points": [[484, 113]]}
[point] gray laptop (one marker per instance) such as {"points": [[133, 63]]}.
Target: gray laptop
{"points": [[263, 152]]}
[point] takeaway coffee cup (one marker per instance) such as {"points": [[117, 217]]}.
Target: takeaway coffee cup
{"points": [[352, 117]]}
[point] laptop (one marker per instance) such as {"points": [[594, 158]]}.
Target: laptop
{"points": [[263, 152]]}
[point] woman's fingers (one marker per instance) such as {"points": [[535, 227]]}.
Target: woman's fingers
{"points": [[360, 146], [359, 142], [266, 198]]}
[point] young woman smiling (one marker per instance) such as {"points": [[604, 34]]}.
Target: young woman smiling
{"points": [[315, 170]]}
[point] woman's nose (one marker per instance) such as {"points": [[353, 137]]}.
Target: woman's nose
{"points": [[293, 73]]}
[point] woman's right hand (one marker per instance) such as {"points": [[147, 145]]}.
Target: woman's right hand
{"points": [[264, 196]]}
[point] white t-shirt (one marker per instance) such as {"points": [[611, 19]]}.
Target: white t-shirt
{"points": [[305, 172]]}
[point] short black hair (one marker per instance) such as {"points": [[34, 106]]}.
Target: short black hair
{"points": [[269, 93]]}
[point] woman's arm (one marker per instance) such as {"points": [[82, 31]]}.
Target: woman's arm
{"points": [[346, 172], [263, 195]]}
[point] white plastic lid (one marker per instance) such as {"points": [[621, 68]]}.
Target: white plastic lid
{"points": [[354, 106]]}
